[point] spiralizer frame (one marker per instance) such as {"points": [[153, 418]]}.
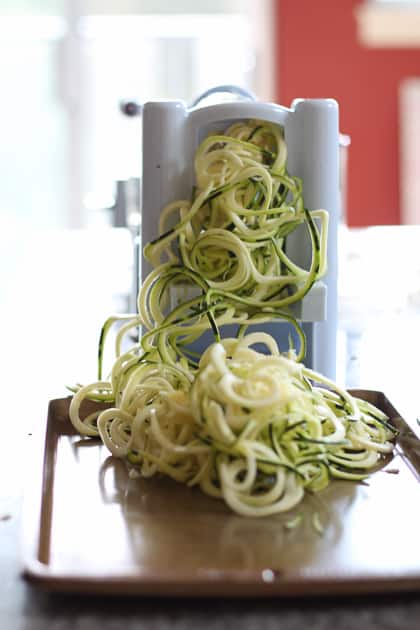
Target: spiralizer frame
{"points": [[171, 134]]}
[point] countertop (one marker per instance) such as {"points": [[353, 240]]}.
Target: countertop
{"points": [[55, 289]]}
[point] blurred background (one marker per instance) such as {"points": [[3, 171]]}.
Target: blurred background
{"points": [[66, 65]]}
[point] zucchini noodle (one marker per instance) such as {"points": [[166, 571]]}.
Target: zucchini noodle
{"points": [[231, 236], [255, 428], [244, 421]]}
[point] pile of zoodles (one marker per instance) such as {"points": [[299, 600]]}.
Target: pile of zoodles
{"points": [[256, 428]]}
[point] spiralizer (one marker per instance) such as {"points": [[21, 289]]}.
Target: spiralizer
{"points": [[172, 132]]}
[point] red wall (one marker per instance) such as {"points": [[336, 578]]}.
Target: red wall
{"points": [[318, 56]]}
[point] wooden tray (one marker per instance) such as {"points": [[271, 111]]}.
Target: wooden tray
{"points": [[91, 529]]}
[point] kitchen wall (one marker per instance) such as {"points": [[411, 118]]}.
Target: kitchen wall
{"points": [[319, 55]]}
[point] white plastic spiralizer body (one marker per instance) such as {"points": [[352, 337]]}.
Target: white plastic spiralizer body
{"points": [[171, 135]]}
